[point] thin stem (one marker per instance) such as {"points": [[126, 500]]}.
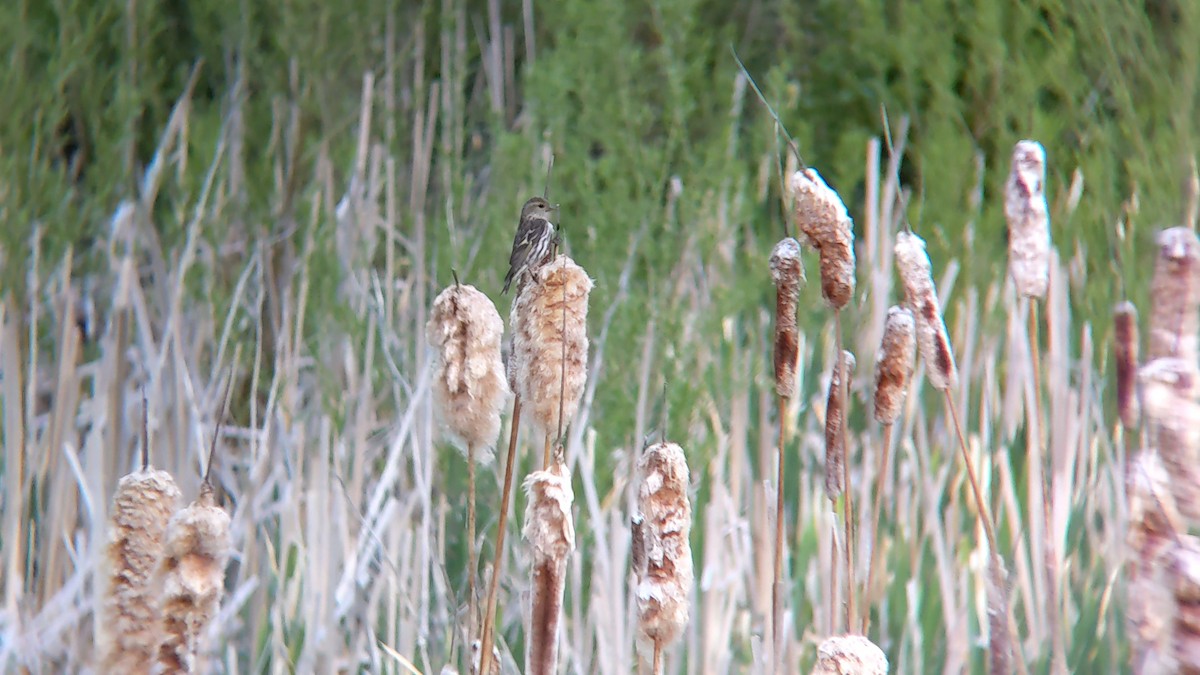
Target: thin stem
{"points": [[777, 585], [472, 562], [485, 656], [546, 453], [985, 516], [847, 490], [1058, 648], [658, 659], [875, 508]]}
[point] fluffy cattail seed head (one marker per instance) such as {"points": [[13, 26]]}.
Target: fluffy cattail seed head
{"points": [[1175, 296], [1169, 391], [787, 273], [824, 224], [544, 349], [469, 383], [1028, 220], [130, 618], [850, 655], [665, 579], [894, 363], [1125, 356], [835, 422], [550, 530], [193, 572], [916, 274]]}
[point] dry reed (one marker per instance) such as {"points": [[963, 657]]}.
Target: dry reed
{"points": [[787, 273], [1028, 220], [850, 655], [550, 530], [916, 274], [193, 572], [664, 576], [128, 626], [1125, 356], [550, 352], [1000, 638], [1175, 296], [824, 224]]}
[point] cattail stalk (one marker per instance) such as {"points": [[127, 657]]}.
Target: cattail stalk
{"points": [[1175, 296], [824, 224], [550, 353], [1125, 356], [1000, 639], [193, 570], [469, 391], [1028, 220], [894, 365], [550, 530], [664, 564], [131, 613], [837, 469], [489, 613], [787, 273]]}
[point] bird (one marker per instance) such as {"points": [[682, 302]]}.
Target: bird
{"points": [[533, 242]]}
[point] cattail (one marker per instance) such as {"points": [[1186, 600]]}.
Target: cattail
{"points": [[469, 385], [850, 655], [1169, 392], [824, 224], [1125, 355], [916, 273], [665, 581], [1154, 527], [1175, 296], [787, 273], [551, 358], [1000, 642], [193, 571], [1184, 570], [1028, 220], [550, 531], [894, 364], [835, 420], [130, 618]]}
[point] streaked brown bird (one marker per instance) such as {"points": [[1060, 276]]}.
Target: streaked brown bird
{"points": [[534, 241]]}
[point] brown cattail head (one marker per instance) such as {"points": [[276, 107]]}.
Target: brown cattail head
{"points": [[1000, 642], [835, 422], [850, 655], [916, 274], [665, 580], [1169, 391], [787, 273], [469, 383], [128, 629], [1028, 220], [1175, 296], [193, 573], [550, 530], [1125, 356], [894, 363], [543, 350], [824, 224]]}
